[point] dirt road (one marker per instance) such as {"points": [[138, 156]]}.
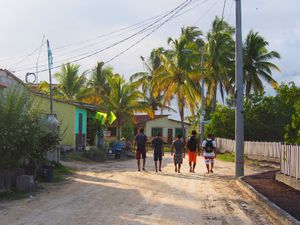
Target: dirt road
{"points": [[115, 193]]}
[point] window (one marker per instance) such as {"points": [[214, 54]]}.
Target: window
{"points": [[155, 130]]}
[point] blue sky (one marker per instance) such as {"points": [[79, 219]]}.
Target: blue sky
{"points": [[23, 24]]}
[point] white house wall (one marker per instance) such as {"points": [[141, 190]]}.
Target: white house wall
{"points": [[165, 124]]}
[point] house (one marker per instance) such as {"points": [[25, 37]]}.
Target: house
{"points": [[169, 128], [8, 79], [72, 115]]}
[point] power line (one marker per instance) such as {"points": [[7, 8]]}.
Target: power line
{"points": [[87, 55], [28, 55], [27, 66], [136, 43], [206, 12], [223, 10], [144, 30]]}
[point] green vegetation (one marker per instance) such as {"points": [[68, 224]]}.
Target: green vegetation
{"points": [[174, 73], [24, 135], [60, 171], [12, 194], [227, 157], [267, 118]]}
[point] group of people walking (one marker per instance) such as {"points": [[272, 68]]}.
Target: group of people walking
{"points": [[208, 147]]}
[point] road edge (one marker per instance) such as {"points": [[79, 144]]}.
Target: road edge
{"points": [[276, 214]]}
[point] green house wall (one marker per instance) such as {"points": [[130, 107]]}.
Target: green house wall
{"points": [[65, 113]]}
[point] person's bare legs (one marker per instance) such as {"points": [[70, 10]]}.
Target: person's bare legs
{"points": [[155, 163], [139, 164], [194, 165], [190, 163], [207, 167], [159, 165], [212, 165], [175, 164], [179, 165], [144, 163]]}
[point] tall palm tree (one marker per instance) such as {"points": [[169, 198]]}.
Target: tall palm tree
{"points": [[98, 83], [178, 76], [122, 100], [257, 65], [71, 84], [143, 80], [219, 60]]}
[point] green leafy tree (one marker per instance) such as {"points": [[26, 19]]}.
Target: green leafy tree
{"points": [[71, 84], [23, 134], [222, 122], [143, 80], [219, 58], [257, 65], [122, 100], [292, 134], [178, 77]]}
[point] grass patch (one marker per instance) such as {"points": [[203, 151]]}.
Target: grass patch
{"points": [[12, 195], [60, 171], [167, 149], [227, 157]]}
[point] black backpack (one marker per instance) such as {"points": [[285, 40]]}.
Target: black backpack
{"points": [[192, 143], [209, 147]]}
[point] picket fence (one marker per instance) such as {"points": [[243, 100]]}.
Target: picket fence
{"points": [[287, 155]]}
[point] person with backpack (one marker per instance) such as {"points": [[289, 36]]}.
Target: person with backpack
{"points": [[179, 152], [209, 152], [193, 150], [158, 149], [140, 144]]}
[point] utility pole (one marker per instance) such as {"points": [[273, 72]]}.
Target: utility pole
{"points": [[239, 110], [202, 98], [50, 77]]}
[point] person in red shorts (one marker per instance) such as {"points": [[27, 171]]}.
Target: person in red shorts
{"points": [[140, 143], [193, 150]]}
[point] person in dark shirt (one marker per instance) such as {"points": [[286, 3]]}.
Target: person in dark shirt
{"points": [[158, 150], [179, 152], [140, 144], [193, 150]]}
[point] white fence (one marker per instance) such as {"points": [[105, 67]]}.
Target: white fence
{"points": [[267, 150], [290, 161], [287, 155]]}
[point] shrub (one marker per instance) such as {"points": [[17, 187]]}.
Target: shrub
{"points": [[23, 135], [96, 154]]}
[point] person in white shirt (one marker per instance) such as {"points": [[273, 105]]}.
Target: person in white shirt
{"points": [[209, 152]]}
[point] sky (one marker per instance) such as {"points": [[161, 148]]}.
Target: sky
{"points": [[77, 26]]}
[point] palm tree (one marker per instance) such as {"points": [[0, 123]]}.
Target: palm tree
{"points": [[257, 64], [178, 76], [98, 83], [71, 84], [122, 100], [143, 80], [219, 61]]}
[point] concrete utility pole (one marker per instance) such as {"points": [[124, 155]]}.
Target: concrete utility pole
{"points": [[239, 110], [50, 77], [202, 99]]}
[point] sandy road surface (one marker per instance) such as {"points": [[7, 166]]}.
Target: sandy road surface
{"points": [[115, 193]]}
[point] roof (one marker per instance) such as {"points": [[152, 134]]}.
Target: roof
{"points": [[10, 74], [179, 121], [3, 85], [144, 118], [77, 104]]}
